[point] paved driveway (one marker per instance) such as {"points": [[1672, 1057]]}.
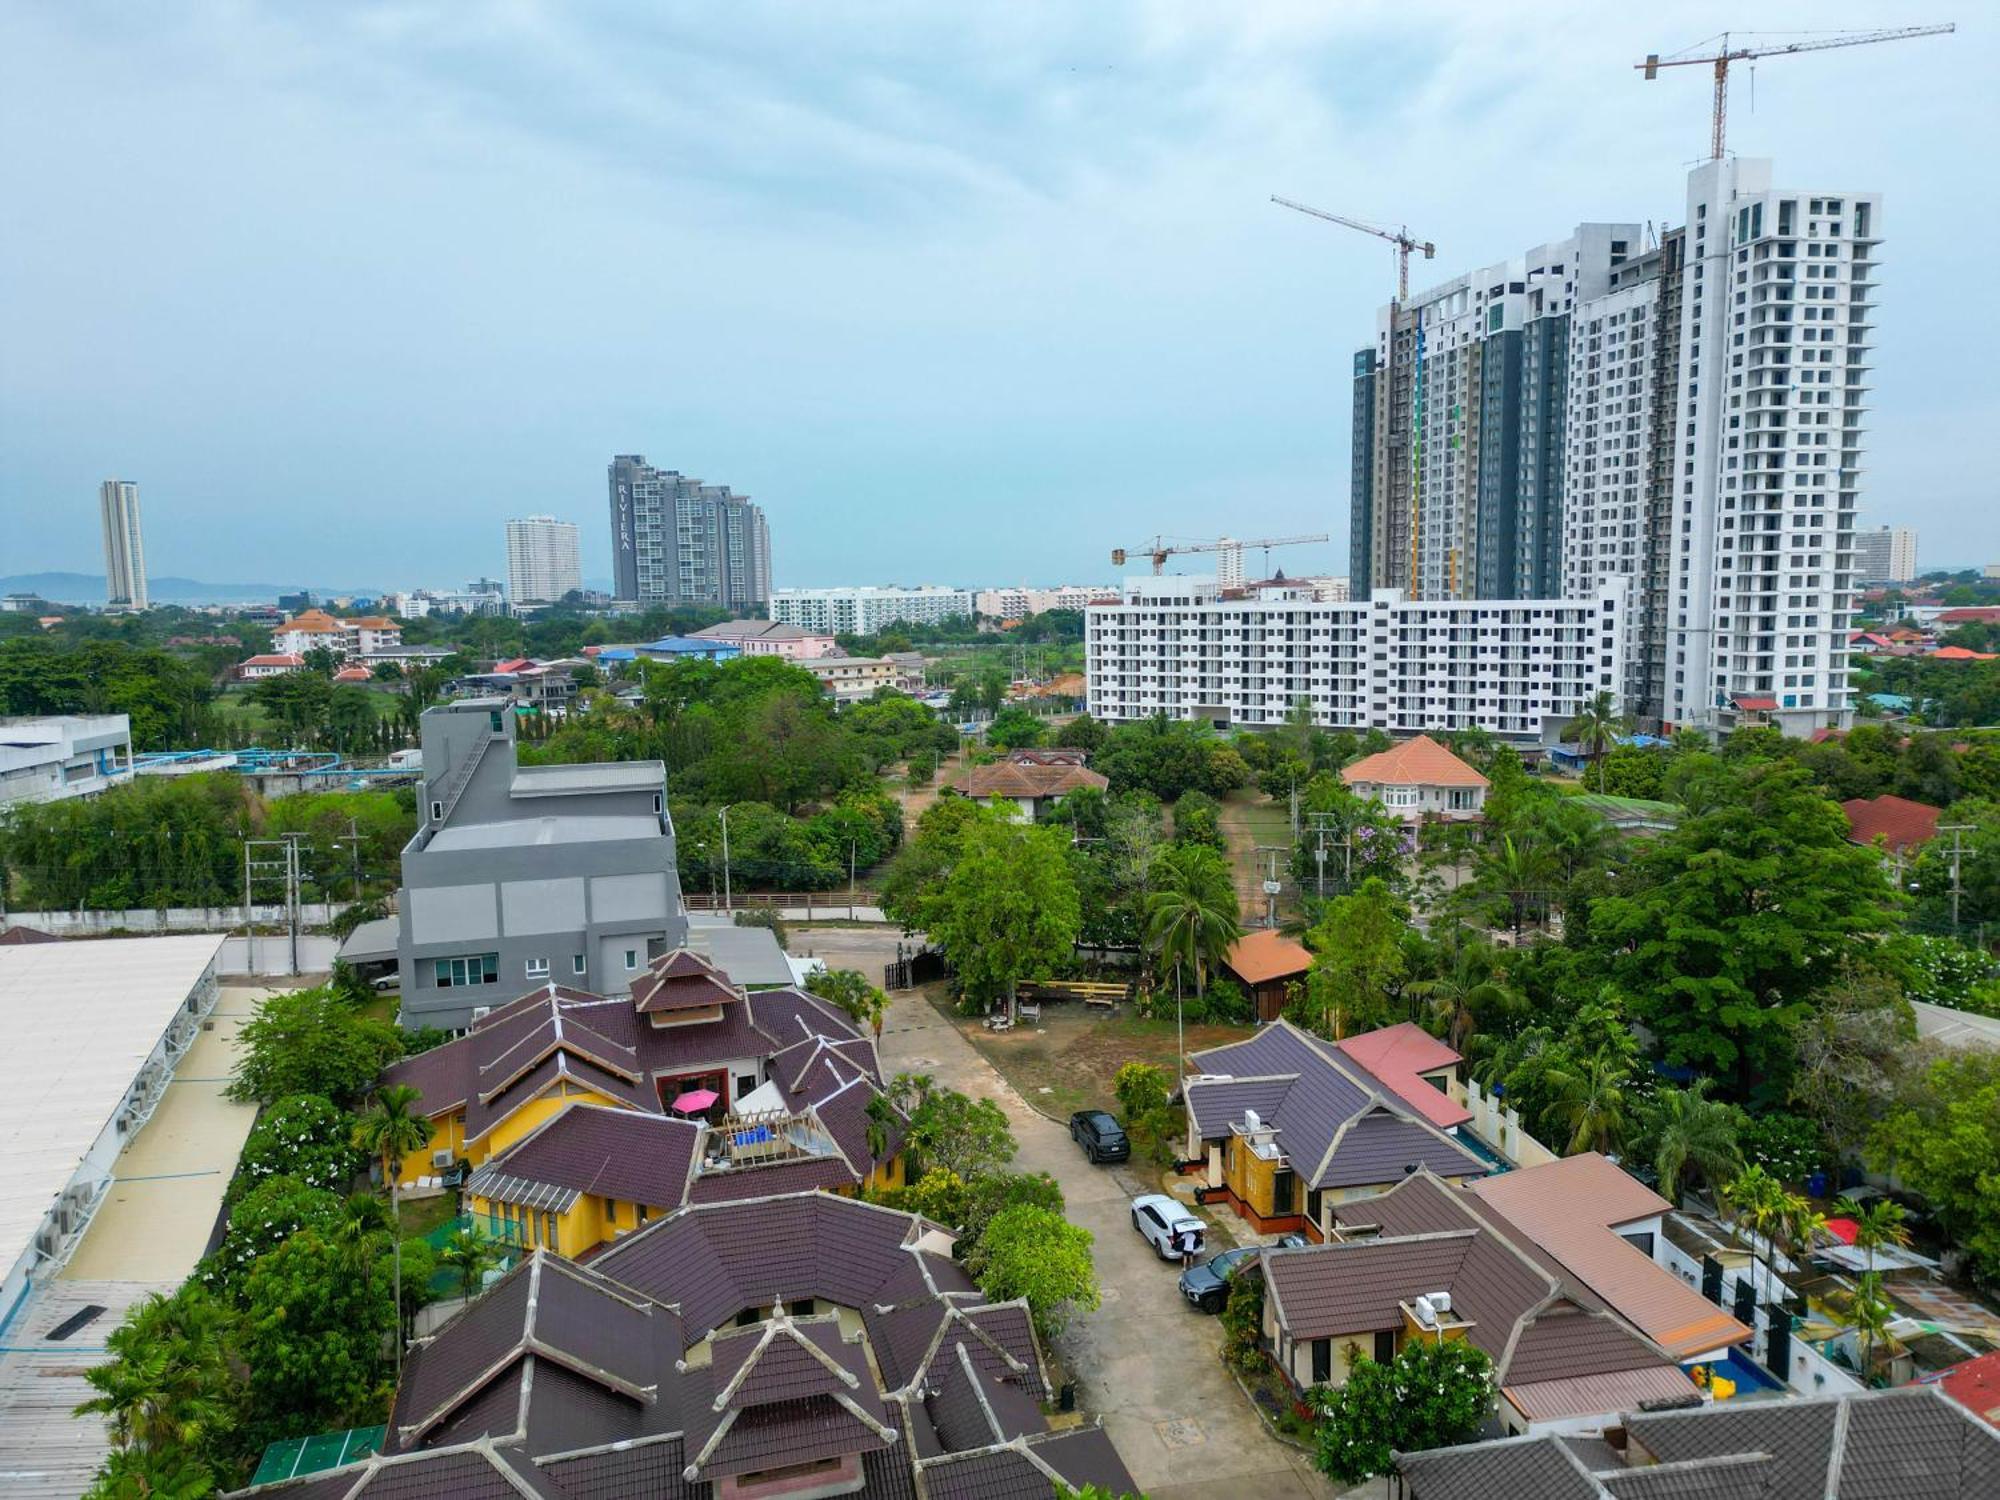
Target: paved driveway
{"points": [[1145, 1360]]}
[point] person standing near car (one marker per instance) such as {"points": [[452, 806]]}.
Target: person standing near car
{"points": [[1184, 1242]]}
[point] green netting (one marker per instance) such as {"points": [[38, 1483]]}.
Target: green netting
{"points": [[445, 1281], [291, 1457]]}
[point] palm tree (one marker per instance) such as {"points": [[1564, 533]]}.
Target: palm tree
{"points": [[1879, 1224], [1694, 1138], [1191, 918], [469, 1253], [1760, 1200], [1590, 1103], [1454, 1000], [1517, 870], [392, 1128], [1871, 1314], [882, 1122], [1596, 728], [165, 1387]]}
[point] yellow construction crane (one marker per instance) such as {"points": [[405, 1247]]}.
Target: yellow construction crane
{"points": [[1160, 549], [1400, 238], [1725, 55]]}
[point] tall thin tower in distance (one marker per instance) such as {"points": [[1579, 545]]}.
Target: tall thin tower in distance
{"points": [[124, 547]]}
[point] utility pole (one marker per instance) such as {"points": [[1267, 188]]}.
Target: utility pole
{"points": [[728, 897], [1957, 851], [1272, 885], [278, 861]]}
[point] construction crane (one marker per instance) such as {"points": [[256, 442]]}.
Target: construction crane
{"points": [[1725, 55], [1160, 549], [1400, 238]]}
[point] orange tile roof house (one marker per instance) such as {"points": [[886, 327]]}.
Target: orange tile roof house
{"points": [[1898, 822], [1604, 1227], [1417, 779], [1416, 1066], [1264, 961]]}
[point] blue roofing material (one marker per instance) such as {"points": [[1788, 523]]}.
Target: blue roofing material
{"points": [[688, 645]]}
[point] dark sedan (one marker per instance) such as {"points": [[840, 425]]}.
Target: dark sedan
{"points": [[1207, 1285], [1100, 1135]]}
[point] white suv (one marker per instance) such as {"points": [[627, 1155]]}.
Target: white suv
{"points": [[1170, 1229]]}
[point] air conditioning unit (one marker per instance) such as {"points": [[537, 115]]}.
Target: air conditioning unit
{"points": [[1432, 1308], [442, 1158], [1251, 1122]]}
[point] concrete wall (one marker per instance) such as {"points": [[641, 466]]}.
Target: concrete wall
{"points": [[174, 919], [1500, 1127]]}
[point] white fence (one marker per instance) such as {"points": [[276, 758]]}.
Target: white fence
{"points": [[272, 955], [173, 919], [1500, 1127]]}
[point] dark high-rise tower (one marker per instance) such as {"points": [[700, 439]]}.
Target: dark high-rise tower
{"points": [[675, 540]]}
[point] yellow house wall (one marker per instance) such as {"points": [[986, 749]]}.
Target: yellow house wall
{"points": [[1249, 1175], [448, 1131]]}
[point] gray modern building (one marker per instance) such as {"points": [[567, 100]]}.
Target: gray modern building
{"points": [[675, 540], [520, 876]]}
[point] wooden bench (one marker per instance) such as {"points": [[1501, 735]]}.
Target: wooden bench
{"points": [[1104, 993]]}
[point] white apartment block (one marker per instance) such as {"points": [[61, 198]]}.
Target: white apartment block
{"points": [[1885, 554], [865, 610], [1019, 603], [64, 755], [1229, 563], [1519, 668], [1773, 381], [543, 563]]}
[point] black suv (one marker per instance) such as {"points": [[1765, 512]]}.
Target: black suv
{"points": [[1101, 1136]]}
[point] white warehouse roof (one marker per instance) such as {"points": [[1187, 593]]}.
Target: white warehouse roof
{"points": [[79, 1019]]}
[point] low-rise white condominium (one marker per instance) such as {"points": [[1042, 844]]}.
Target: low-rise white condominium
{"points": [[1518, 668], [865, 610]]}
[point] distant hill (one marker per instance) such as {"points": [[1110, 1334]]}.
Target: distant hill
{"points": [[88, 588]]}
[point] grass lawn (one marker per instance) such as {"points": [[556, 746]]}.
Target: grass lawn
{"points": [[1069, 1062], [422, 1215], [1268, 819]]}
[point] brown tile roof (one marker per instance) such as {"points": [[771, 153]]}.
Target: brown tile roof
{"points": [[18, 936], [1357, 1286], [1568, 1208], [1008, 779], [1397, 1056], [1418, 762], [787, 1389], [1263, 954], [1899, 822], [682, 980], [629, 1155]]}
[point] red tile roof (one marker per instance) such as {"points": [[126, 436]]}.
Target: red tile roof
{"points": [[1418, 762], [1397, 1056], [1899, 822], [1975, 1385], [1007, 779], [1960, 653], [275, 659], [1754, 703], [1979, 615]]}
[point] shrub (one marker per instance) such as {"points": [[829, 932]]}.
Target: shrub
{"points": [[307, 1137]]}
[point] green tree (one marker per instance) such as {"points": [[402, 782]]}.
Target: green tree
{"points": [[1013, 728], [1358, 961], [168, 1388], [1008, 910], [953, 1132], [1590, 1103], [1692, 1138], [1942, 1138], [1040, 1257], [1198, 820], [1736, 918], [1466, 993], [310, 1042], [261, 1220], [319, 1314], [1141, 1089], [1081, 733], [306, 1136], [137, 1474], [1434, 1395], [862, 1002]]}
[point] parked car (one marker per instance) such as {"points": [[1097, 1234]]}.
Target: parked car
{"points": [[1100, 1135], [1170, 1229], [1207, 1285]]}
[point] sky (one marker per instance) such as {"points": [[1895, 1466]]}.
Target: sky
{"points": [[959, 293]]}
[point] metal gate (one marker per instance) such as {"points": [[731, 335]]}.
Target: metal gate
{"points": [[1778, 1341], [1711, 1279]]}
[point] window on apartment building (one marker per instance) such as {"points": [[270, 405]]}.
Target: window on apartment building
{"points": [[576, 963], [631, 959], [473, 968], [537, 968]]}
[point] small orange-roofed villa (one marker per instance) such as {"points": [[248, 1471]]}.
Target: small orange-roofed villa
{"points": [[1419, 779]]}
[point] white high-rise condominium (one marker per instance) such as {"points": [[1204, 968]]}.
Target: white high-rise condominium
{"points": [[542, 560], [1774, 374], [1229, 563], [124, 547]]}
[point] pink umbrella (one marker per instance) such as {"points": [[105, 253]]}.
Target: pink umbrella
{"points": [[694, 1101]]}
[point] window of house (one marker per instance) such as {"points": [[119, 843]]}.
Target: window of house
{"points": [[538, 968], [1399, 796], [576, 964], [1463, 799], [473, 968], [631, 959], [1385, 1346]]}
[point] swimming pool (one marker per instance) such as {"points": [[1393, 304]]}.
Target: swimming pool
{"points": [[1750, 1377]]}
